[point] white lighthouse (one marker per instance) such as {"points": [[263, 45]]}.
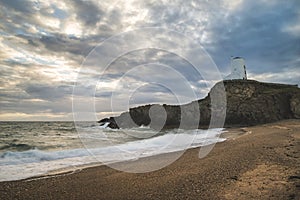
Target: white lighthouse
{"points": [[238, 69]]}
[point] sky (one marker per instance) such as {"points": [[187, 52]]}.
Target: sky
{"points": [[62, 60]]}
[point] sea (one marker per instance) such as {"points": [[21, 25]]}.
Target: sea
{"points": [[35, 149]]}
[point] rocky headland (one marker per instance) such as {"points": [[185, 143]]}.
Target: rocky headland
{"points": [[240, 102]]}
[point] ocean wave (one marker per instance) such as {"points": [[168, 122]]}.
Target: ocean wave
{"points": [[17, 147], [30, 162]]}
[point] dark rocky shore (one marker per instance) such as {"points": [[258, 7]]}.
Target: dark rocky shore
{"points": [[245, 102]]}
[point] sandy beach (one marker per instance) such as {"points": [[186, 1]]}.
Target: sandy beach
{"points": [[259, 162]]}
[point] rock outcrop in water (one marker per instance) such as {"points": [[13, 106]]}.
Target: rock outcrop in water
{"points": [[249, 102]]}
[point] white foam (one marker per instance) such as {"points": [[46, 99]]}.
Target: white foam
{"points": [[105, 125], [20, 165]]}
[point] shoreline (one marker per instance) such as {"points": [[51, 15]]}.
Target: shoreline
{"points": [[254, 162], [61, 169]]}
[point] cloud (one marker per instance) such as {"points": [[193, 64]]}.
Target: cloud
{"points": [[25, 7], [88, 12], [48, 92], [44, 44], [257, 37], [287, 76]]}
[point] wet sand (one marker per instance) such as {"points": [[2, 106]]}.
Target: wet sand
{"points": [[260, 162]]}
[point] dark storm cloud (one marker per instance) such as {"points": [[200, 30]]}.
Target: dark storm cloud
{"points": [[25, 7], [87, 11], [166, 59], [60, 43], [48, 92], [11, 96], [256, 33], [19, 16]]}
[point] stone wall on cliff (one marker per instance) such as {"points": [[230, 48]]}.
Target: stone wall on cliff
{"points": [[252, 102], [247, 102]]}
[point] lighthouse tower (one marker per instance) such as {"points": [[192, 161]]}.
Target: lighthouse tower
{"points": [[238, 69]]}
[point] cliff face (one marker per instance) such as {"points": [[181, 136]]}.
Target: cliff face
{"points": [[252, 102], [248, 103]]}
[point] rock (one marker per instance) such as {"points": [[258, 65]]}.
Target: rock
{"points": [[295, 105], [112, 123], [245, 102]]}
